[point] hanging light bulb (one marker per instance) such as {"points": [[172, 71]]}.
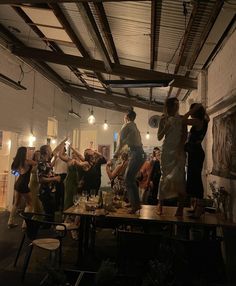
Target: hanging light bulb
{"points": [[148, 135], [32, 139], [105, 125], [91, 118]]}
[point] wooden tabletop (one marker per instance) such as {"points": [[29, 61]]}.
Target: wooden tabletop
{"points": [[149, 213]]}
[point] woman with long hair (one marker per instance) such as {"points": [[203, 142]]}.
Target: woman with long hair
{"points": [[196, 155], [21, 166], [173, 130]]}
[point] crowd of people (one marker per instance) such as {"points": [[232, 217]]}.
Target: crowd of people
{"points": [[48, 180]]}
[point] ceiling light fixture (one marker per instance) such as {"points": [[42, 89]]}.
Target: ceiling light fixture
{"points": [[91, 118], [137, 83], [105, 125], [8, 81]]}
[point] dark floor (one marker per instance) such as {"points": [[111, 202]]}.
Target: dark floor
{"points": [[134, 267]]}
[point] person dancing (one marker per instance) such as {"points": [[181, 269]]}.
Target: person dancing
{"points": [[196, 155], [130, 135], [21, 167], [172, 182]]}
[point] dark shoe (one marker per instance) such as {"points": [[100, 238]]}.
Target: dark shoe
{"points": [[12, 225]]}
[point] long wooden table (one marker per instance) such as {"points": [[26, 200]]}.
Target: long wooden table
{"points": [[148, 214]]}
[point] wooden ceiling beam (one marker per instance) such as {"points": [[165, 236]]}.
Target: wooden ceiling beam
{"points": [[144, 104], [98, 66], [155, 31], [91, 25], [50, 43], [107, 35], [66, 25], [215, 12], [185, 41]]}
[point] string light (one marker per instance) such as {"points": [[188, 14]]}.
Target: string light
{"points": [[32, 139], [105, 125], [91, 118]]}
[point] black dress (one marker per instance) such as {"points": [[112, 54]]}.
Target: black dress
{"points": [[196, 156], [21, 185]]}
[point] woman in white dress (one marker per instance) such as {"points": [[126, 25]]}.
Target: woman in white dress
{"points": [[174, 132]]}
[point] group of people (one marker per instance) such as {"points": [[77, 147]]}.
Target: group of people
{"points": [[52, 178], [176, 144], [48, 180]]}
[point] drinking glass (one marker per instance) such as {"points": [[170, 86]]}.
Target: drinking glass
{"points": [[76, 199]]}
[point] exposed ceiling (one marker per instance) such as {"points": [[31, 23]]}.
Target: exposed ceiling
{"points": [[79, 45]]}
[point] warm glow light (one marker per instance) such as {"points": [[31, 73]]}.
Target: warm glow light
{"points": [[91, 118], [147, 135], [105, 125], [9, 144], [32, 139], [54, 141]]}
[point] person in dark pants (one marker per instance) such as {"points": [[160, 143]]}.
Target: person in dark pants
{"points": [[130, 136], [47, 181], [196, 155]]}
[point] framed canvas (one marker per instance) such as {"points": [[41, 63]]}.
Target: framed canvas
{"points": [[224, 144]]}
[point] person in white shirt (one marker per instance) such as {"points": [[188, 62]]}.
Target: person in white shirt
{"points": [[130, 135]]}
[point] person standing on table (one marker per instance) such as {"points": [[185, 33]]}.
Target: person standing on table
{"points": [[174, 132], [199, 121], [130, 135]]}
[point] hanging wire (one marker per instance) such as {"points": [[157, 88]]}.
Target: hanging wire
{"points": [[33, 99]]}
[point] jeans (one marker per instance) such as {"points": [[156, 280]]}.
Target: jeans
{"points": [[136, 160]]}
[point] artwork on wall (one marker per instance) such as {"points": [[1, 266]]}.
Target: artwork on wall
{"points": [[1, 137], [224, 144], [105, 151]]}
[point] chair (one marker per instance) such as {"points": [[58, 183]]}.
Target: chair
{"points": [[35, 225]]}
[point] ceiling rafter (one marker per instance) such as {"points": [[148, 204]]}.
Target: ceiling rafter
{"points": [[51, 44], [155, 30], [92, 27], [64, 22], [215, 12], [185, 42], [96, 65], [108, 35], [7, 39], [115, 99]]}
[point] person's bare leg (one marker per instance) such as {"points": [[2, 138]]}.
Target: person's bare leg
{"points": [[11, 221], [28, 207]]}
